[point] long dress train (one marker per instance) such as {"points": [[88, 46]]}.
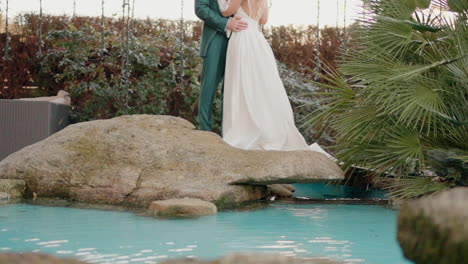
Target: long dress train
{"points": [[257, 114]]}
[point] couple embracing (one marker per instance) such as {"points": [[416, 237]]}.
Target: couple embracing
{"points": [[256, 112]]}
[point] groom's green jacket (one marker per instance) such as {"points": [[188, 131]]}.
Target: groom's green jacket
{"points": [[213, 48], [208, 11]]}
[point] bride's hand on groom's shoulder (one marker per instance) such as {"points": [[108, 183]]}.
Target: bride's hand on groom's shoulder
{"points": [[236, 24]]}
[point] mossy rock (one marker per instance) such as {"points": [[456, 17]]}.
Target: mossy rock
{"points": [[434, 230]]}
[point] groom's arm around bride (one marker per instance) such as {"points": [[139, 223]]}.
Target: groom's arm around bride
{"points": [[213, 48]]}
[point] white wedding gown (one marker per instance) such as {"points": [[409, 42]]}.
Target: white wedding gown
{"points": [[257, 114]]}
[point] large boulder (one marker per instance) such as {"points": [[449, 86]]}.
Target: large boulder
{"points": [[434, 230], [33, 258], [134, 160], [253, 259]]}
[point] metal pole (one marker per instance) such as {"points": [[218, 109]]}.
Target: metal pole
{"points": [[364, 11], [74, 8], [125, 70], [181, 39], [6, 50], [103, 43], [41, 43], [337, 14], [345, 40], [131, 21], [317, 42]]}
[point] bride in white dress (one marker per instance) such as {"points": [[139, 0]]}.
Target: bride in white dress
{"points": [[257, 114]]}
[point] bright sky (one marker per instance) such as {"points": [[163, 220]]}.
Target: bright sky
{"points": [[282, 12]]}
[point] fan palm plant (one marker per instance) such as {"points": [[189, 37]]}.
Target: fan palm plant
{"points": [[402, 91]]}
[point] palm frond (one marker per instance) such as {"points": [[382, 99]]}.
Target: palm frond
{"points": [[410, 188]]}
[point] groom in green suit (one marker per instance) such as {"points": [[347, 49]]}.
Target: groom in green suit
{"points": [[213, 49]]}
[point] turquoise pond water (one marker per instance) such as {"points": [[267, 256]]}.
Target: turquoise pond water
{"points": [[353, 233]]}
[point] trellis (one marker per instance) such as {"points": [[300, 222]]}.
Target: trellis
{"points": [[128, 12], [318, 60]]}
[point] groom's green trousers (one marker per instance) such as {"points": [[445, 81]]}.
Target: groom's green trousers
{"points": [[212, 75], [213, 51]]}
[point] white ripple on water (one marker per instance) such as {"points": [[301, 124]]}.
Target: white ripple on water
{"points": [[86, 249], [125, 246], [328, 240], [122, 262], [82, 253], [276, 247], [31, 240], [52, 245], [180, 250], [140, 259], [288, 253], [331, 249], [313, 213], [52, 242], [285, 242], [355, 260]]}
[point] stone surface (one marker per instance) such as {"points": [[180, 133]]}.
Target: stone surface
{"points": [[290, 187], [449, 163], [434, 230], [183, 207], [253, 259], [29, 258], [134, 160], [12, 188], [279, 190]]}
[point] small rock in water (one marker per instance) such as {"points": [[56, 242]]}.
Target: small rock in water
{"points": [[183, 207], [253, 259], [279, 190], [290, 187], [32, 258]]}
